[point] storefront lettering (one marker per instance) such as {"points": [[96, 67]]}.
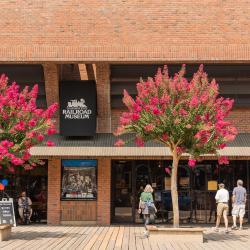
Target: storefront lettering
{"points": [[77, 110]]}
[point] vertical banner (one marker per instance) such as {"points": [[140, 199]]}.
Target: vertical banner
{"points": [[78, 108]]}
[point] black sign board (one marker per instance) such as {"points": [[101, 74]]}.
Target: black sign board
{"points": [[78, 108], [7, 214]]}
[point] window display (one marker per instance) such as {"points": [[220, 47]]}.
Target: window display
{"points": [[79, 179]]}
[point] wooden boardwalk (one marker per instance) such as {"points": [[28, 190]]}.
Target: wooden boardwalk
{"points": [[114, 237]]}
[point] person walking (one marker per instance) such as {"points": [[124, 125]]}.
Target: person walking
{"points": [[239, 200], [146, 206], [222, 198]]}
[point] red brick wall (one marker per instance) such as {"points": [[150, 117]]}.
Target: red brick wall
{"points": [[104, 191], [239, 116], [241, 119], [54, 191], [125, 30]]}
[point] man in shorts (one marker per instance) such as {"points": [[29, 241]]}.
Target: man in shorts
{"points": [[222, 198], [239, 199]]}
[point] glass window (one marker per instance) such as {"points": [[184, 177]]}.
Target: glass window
{"points": [[79, 179]]}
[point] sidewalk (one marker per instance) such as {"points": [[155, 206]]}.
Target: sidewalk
{"points": [[113, 237]]}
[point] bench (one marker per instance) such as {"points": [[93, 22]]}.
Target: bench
{"points": [[181, 234], [5, 231]]}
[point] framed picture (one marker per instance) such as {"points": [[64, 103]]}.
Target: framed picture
{"points": [[79, 180]]}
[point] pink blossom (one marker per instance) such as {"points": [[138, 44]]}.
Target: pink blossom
{"points": [[192, 162], [17, 161], [168, 170], [119, 143], [38, 112], [11, 169], [188, 126], [179, 150], [3, 151], [177, 121], [20, 126], [119, 130], [7, 144], [33, 93], [194, 102], [51, 131], [183, 112], [40, 137], [50, 143], [31, 134], [149, 127], [135, 117], [154, 101], [124, 121], [139, 142], [50, 111], [223, 160], [32, 123], [164, 137], [28, 167], [204, 98], [223, 145], [26, 156], [127, 99], [156, 111], [137, 108]]}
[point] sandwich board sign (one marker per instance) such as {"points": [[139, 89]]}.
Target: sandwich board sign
{"points": [[7, 213]]}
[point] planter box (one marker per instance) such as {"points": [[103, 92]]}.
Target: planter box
{"points": [[5, 231], [181, 234]]}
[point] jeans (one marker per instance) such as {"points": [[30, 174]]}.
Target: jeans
{"points": [[146, 219]]}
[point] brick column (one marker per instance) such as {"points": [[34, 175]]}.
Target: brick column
{"points": [[54, 191], [104, 191], [51, 76], [103, 98]]}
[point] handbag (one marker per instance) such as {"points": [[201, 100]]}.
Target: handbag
{"points": [[151, 207]]}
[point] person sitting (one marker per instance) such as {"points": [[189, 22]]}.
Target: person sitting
{"points": [[24, 203]]}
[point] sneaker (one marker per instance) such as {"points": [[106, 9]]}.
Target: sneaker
{"points": [[240, 228], [226, 231], [145, 233], [216, 229], [234, 227]]}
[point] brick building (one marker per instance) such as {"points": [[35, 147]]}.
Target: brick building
{"points": [[114, 44]]}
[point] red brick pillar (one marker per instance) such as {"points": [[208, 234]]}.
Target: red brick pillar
{"points": [[104, 191], [54, 190], [103, 98], [51, 76]]}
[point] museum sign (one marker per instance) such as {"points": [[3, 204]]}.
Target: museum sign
{"points": [[77, 108]]}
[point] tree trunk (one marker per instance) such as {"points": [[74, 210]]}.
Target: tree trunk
{"points": [[174, 192]]}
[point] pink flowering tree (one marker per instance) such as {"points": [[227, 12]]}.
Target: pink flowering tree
{"points": [[186, 116], [22, 125]]}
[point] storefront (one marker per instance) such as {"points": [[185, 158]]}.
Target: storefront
{"points": [[197, 188], [35, 184], [89, 181]]}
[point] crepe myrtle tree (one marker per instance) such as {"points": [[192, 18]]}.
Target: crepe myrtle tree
{"points": [[186, 116], [22, 125]]}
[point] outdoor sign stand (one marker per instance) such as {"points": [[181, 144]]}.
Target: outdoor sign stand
{"points": [[7, 213]]}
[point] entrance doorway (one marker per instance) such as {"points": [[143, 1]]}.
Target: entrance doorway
{"points": [[196, 188], [128, 181]]}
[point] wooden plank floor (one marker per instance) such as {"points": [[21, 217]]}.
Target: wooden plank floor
{"points": [[114, 237]]}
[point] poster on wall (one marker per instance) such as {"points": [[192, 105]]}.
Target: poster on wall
{"points": [[78, 108], [79, 179]]}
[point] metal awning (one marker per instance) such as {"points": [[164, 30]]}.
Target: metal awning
{"points": [[102, 145]]}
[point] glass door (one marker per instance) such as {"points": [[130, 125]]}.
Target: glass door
{"points": [[122, 192]]}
